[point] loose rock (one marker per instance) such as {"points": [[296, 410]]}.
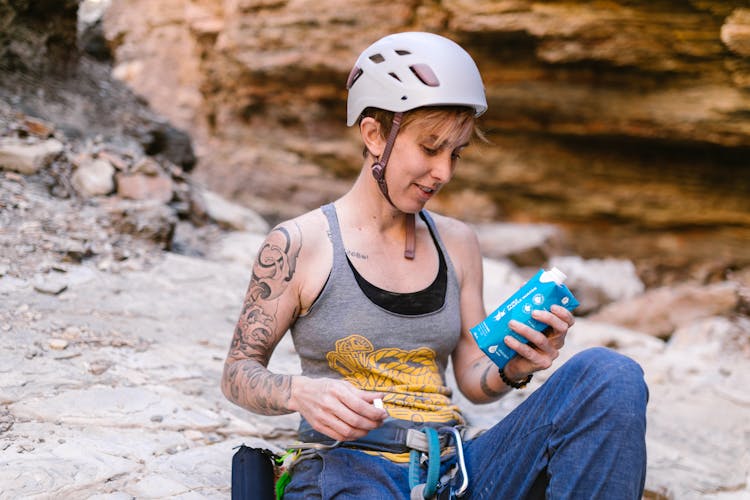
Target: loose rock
{"points": [[27, 157], [94, 177]]}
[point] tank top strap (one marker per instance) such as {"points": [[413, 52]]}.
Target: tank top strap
{"points": [[427, 218], [339, 254]]}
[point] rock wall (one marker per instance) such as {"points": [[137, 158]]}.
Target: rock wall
{"points": [[44, 74], [36, 36], [623, 121]]}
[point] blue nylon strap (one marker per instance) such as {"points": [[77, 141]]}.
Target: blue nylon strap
{"points": [[413, 469], [433, 464]]}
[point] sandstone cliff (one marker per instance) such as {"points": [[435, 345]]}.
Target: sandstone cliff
{"points": [[627, 122]]}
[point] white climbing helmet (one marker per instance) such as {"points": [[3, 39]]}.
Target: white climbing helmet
{"points": [[408, 70]]}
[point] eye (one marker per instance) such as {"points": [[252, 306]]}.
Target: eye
{"points": [[430, 151], [456, 156]]}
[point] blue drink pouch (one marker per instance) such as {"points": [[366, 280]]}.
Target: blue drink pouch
{"points": [[542, 291]]}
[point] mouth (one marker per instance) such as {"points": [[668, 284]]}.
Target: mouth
{"points": [[427, 192]]}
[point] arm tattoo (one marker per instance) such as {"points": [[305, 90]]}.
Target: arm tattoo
{"points": [[274, 267], [489, 391], [246, 379]]}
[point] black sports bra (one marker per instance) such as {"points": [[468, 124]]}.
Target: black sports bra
{"points": [[424, 301]]}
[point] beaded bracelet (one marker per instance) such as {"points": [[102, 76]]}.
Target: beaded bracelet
{"points": [[516, 385]]}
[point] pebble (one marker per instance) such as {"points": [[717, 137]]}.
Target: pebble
{"points": [[99, 366], [50, 287], [58, 344], [193, 435]]}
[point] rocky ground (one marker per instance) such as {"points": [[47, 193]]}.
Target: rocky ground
{"points": [[116, 311]]}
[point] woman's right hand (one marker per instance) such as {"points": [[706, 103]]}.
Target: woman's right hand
{"points": [[336, 408]]}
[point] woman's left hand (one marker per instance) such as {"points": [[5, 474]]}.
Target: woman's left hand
{"points": [[542, 349]]}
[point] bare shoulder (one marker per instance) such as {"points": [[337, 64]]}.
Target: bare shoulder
{"points": [[312, 230], [305, 227], [303, 244], [456, 233], [460, 240], [301, 238]]}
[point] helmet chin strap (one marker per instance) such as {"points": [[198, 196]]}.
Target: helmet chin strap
{"points": [[378, 172]]}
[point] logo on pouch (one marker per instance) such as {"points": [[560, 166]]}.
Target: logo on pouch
{"points": [[492, 349], [527, 308], [538, 299], [565, 301], [500, 315]]}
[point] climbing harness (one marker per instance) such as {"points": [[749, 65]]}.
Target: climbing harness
{"points": [[423, 443]]}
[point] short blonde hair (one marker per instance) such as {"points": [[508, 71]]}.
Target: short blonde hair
{"points": [[444, 122]]}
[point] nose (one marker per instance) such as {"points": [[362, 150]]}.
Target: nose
{"points": [[442, 168]]}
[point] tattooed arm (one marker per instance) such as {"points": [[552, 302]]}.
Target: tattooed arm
{"points": [[271, 304], [277, 293]]}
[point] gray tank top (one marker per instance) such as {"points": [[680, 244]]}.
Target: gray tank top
{"points": [[347, 336]]}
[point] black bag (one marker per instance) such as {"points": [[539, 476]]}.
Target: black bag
{"points": [[253, 474]]}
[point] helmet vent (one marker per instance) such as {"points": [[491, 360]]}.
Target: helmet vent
{"points": [[403, 52], [394, 75], [425, 75], [377, 58], [353, 77]]}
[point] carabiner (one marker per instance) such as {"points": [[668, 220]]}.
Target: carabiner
{"points": [[461, 462]]}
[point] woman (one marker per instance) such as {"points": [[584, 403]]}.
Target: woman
{"points": [[379, 293]]}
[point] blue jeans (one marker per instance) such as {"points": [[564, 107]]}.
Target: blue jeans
{"points": [[581, 435]]}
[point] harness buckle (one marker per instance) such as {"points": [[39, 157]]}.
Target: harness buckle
{"points": [[417, 440]]}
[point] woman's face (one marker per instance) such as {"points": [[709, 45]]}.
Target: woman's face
{"points": [[423, 160]]}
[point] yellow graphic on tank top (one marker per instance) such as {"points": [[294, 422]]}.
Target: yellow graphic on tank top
{"points": [[410, 380]]}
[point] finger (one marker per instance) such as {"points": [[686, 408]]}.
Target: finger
{"points": [[525, 331], [563, 314], [356, 408], [371, 396], [339, 431], [557, 340], [360, 401], [341, 423], [539, 360], [369, 409], [555, 322]]}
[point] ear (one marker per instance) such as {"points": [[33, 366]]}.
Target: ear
{"points": [[372, 137]]}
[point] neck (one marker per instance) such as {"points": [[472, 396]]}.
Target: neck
{"points": [[365, 206]]}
